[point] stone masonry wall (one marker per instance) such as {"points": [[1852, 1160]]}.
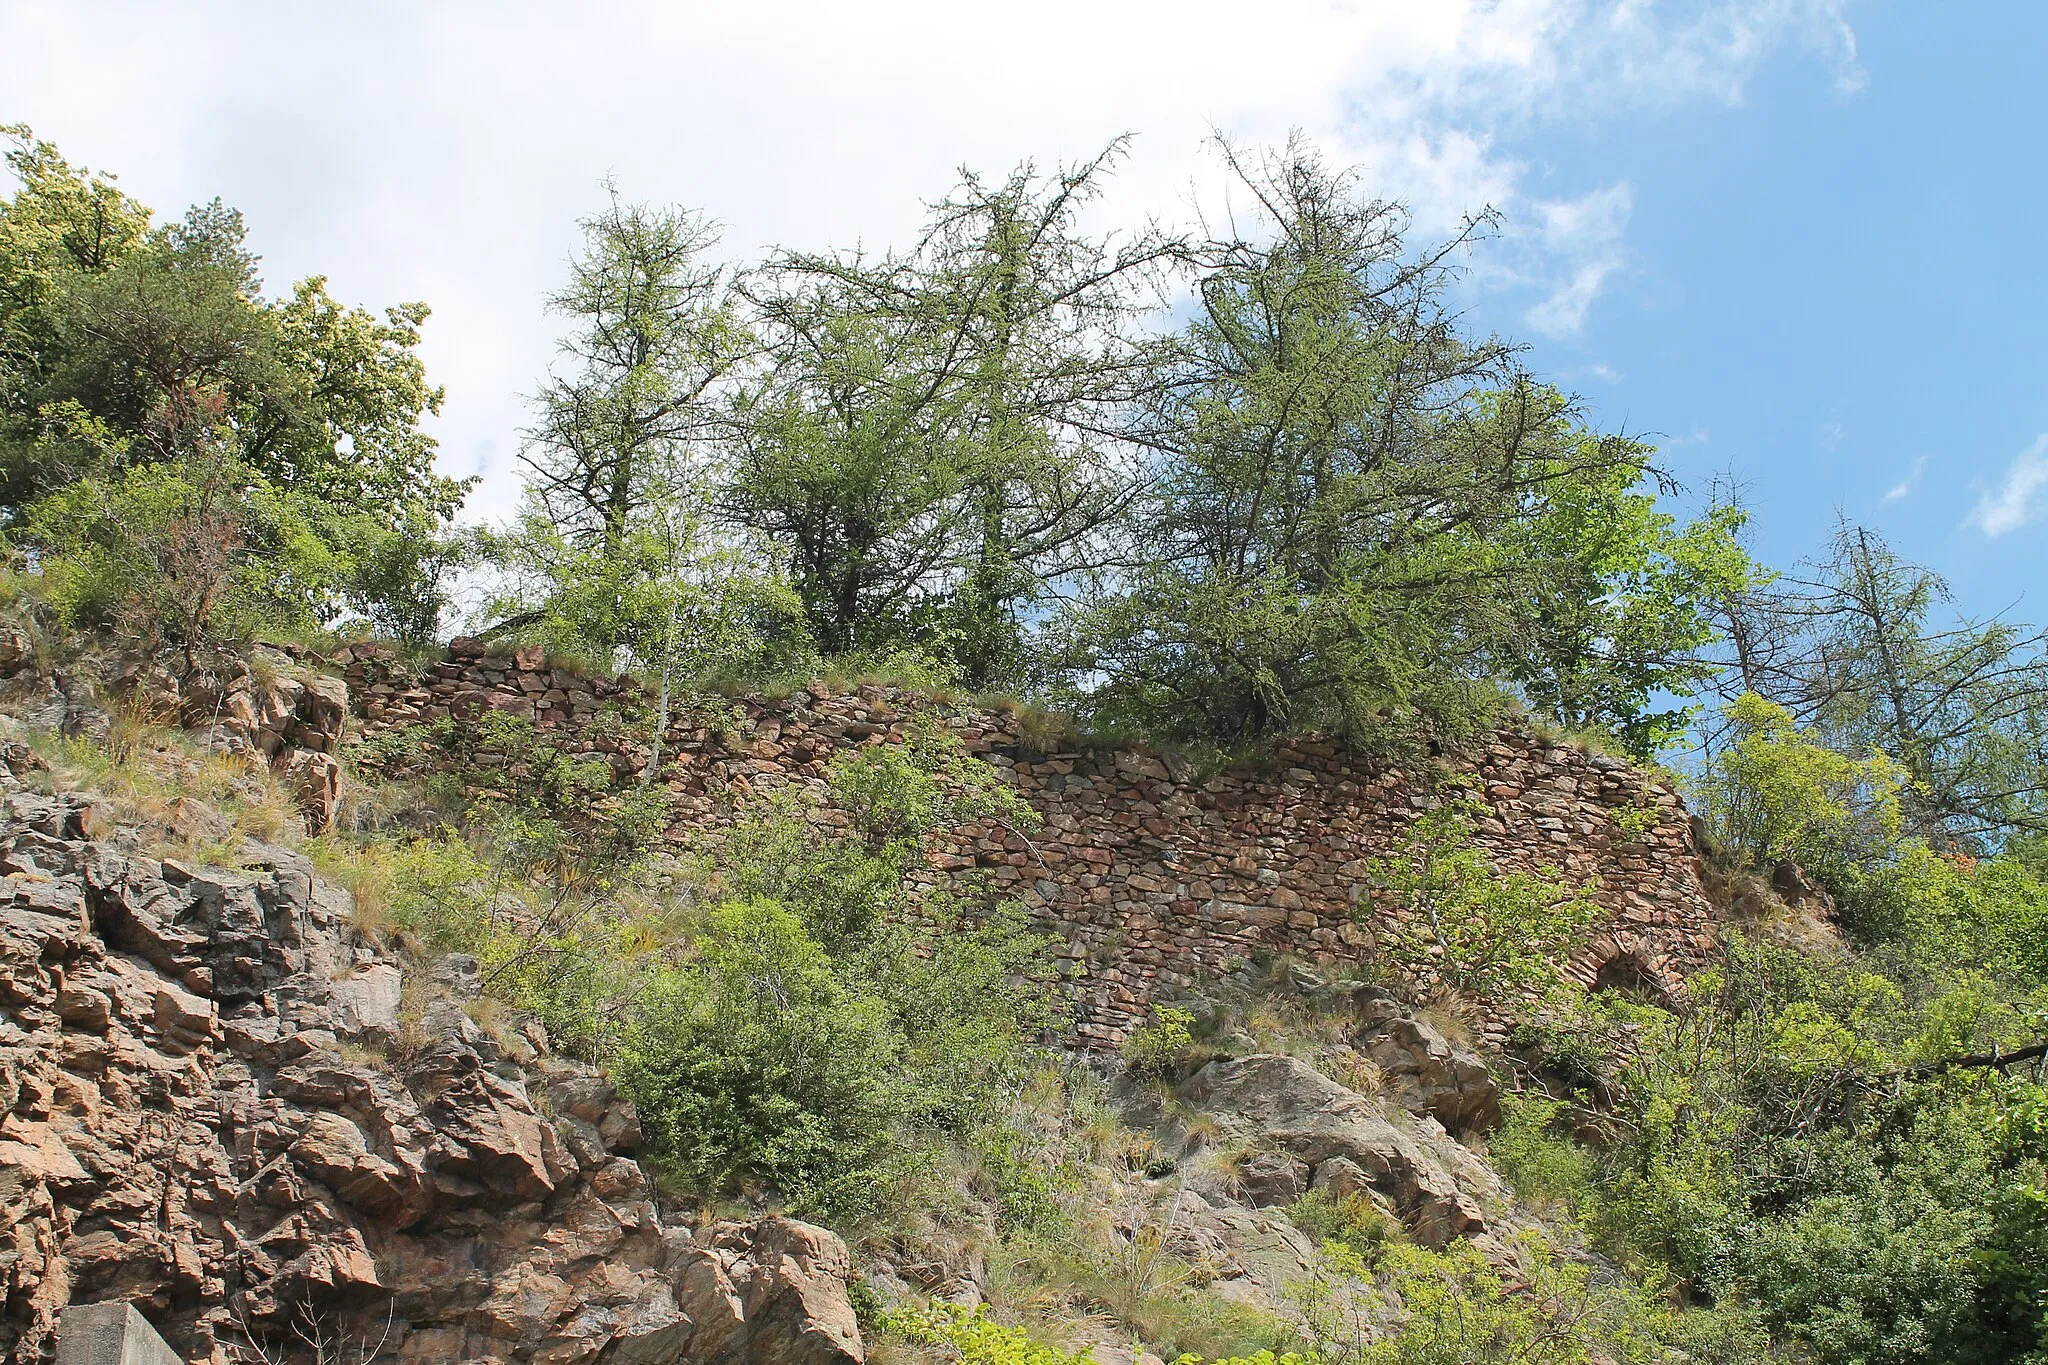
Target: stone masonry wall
{"points": [[1153, 879]]}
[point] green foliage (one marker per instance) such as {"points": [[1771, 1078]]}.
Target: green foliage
{"points": [[1774, 792], [1623, 602], [759, 1063], [1136, 1281], [1465, 927], [822, 1036], [1351, 1220], [925, 446], [184, 551], [1361, 514], [187, 458], [658, 598], [1780, 1150], [440, 893], [926, 784], [1866, 649], [1453, 1307], [806, 1029], [655, 331], [1157, 1045], [897, 797], [974, 1337], [1542, 1166], [977, 1339]]}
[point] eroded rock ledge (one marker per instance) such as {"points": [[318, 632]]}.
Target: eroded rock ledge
{"points": [[213, 1108]]}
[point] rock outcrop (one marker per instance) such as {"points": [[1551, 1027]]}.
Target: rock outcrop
{"points": [[223, 1106], [1424, 1071], [1326, 1136], [272, 706]]}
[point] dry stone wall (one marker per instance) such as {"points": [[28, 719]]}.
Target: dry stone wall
{"points": [[1155, 879]]}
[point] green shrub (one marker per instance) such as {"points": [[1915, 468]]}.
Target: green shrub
{"points": [[1464, 926], [1775, 792], [757, 1065], [1540, 1164], [1453, 1307], [974, 1337], [1155, 1046], [1352, 1220]]}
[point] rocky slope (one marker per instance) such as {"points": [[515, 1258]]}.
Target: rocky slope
{"points": [[223, 1105]]}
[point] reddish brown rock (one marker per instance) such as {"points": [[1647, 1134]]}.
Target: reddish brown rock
{"points": [[184, 1128]]}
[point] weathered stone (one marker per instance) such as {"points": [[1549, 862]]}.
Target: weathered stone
{"points": [[243, 1172], [183, 1016], [1255, 1256], [1286, 1104], [771, 1291], [1267, 1179], [365, 1003], [1428, 1073], [110, 1334], [315, 781]]}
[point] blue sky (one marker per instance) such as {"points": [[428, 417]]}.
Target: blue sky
{"points": [[1835, 290], [1797, 238]]}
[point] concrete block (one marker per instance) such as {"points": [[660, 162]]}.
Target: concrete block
{"points": [[110, 1334]]}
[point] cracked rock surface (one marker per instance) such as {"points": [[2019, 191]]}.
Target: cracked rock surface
{"points": [[212, 1108]]}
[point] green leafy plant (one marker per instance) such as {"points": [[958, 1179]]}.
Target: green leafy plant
{"points": [[1462, 926], [1155, 1046], [974, 1337], [1350, 1219]]}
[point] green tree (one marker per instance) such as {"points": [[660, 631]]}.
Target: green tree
{"points": [[1358, 509], [654, 333], [1866, 650], [130, 353], [1621, 614], [931, 445], [665, 599], [62, 221], [1774, 791]]}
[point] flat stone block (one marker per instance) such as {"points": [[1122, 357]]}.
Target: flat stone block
{"points": [[110, 1334]]}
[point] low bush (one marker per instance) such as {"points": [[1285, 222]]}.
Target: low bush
{"points": [[1157, 1045], [1464, 927]]}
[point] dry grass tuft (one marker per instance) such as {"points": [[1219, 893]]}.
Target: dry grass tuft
{"points": [[191, 803]]}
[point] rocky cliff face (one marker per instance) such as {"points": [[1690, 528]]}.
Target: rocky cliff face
{"points": [[223, 1105]]}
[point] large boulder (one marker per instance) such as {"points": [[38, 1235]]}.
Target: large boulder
{"points": [[767, 1292], [1251, 1255], [1282, 1103], [1426, 1072]]}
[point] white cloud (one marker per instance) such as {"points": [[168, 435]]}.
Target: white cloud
{"points": [[443, 152], [1585, 237], [2015, 502], [1906, 485]]}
